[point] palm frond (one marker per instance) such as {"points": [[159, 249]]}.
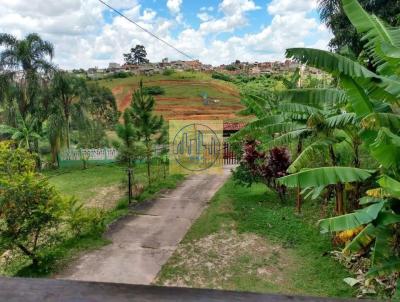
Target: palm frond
{"points": [[341, 120], [325, 176], [375, 34], [358, 99], [318, 97], [386, 148], [376, 121], [330, 62], [296, 108], [309, 153], [286, 138]]}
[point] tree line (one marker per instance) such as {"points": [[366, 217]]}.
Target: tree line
{"points": [[41, 102]]}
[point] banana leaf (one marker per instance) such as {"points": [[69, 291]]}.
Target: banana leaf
{"points": [[325, 176], [389, 267], [362, 240], [351, 221]]}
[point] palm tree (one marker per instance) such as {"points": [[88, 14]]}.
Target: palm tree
{"points": [[69, 93], [30, 56]]}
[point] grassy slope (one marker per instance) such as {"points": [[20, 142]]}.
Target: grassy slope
{"points": [[253, 210], [182, 98]]}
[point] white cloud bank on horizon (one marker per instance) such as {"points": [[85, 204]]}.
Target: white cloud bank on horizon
{"points": [[83, 38]]}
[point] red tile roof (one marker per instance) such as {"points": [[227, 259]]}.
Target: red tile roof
{"points": [[233, 126]]}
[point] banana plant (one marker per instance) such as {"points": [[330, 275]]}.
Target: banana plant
{"points": [[372, 102], [24, 133]]}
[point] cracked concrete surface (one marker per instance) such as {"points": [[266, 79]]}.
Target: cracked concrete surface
{"points": [[143, 242]]}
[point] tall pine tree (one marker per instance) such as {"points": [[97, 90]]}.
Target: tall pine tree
{"points": [[148, 125]]}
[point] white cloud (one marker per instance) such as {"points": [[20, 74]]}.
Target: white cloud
{"points": [[203, 16], [174, 6], [83, 38], [287, 7], [234, 12]]}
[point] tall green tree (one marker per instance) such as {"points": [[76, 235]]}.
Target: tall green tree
{"points": [[137, 55], [148, 124], [128, 135], [102, 105], [345, 34], [25, 59], [69, 93]]}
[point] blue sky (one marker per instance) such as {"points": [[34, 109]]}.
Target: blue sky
{"points": [[85, 33]]}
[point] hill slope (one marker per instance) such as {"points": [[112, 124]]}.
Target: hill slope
{"points": [[182, 98]]}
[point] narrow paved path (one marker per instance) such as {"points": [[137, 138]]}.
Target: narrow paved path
{"points": [[143, 242]]}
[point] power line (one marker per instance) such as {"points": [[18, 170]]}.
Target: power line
{"points": [[147, 31]]}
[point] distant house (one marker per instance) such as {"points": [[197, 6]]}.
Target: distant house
{"points": [[193, 65], [256, 71], [231, 128], [114, 66], [178, 65]]}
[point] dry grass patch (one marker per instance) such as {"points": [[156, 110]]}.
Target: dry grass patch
{"points": [[228, 260], [106, 197]]}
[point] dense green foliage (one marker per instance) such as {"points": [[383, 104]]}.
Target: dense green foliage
{"points": [[137, 55], [345, 35], [31, 211], [141, 130], [221, 76], [44, 106], [345, 128]]}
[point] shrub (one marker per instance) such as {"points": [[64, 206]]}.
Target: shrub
{"points": [[168, 72], [82, 221], [28, 205], [121, 75], [154, 90], [221, 76], [263, 167]]}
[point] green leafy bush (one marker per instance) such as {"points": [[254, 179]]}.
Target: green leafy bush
{"points": [[168, 72], [29, 207], [81, 220], [221, 76], [154, 90], [121, 75]]}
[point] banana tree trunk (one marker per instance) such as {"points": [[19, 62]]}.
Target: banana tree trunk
{"points": [[299, 198], [339, 190], [357, 190]]}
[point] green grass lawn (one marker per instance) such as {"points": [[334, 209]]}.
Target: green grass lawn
{"points": [[84, 185], [275, 250]]}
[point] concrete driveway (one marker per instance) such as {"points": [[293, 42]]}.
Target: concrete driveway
{"points": [[143, 242]]}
